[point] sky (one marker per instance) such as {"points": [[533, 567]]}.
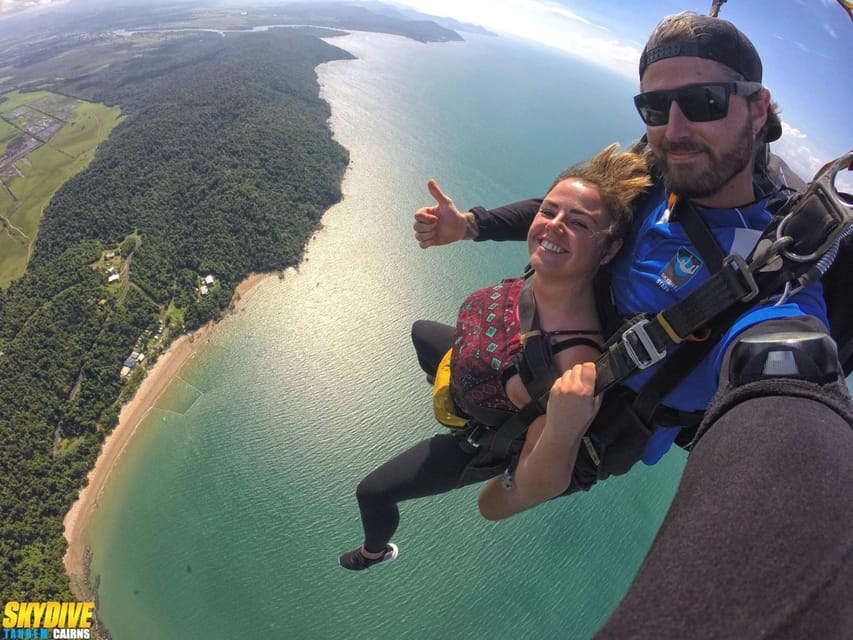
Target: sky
{"points": [[806, 47]]}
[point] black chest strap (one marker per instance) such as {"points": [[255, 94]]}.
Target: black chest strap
{"points": [[536, 368], [701, 237], [643, 341], [535, 364], [649, 401]]}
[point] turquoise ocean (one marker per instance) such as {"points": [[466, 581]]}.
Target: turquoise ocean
{"points": [[229, 508]]}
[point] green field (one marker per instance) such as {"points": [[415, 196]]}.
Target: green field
{"points": [[45, 170], [15, 99], [7, 133]]}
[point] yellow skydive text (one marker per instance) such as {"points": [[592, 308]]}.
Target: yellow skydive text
{"points": [[28, 615]]}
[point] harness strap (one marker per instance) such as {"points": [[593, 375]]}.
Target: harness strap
{"points": [[537, 370], [653, 336], [648, 402], [700, 235], [488, 417], [808, 225], [674, 326], [643, 341], [512, 368], [575, 342], [507, 439], [535, 364], [571, 332]]}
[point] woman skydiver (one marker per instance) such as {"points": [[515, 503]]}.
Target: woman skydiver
{"points": [[578, 228]]}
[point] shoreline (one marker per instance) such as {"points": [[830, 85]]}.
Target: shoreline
{"points": [[157, 380]]}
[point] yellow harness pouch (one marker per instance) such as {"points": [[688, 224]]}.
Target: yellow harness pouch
{"points": [[442, 403]]}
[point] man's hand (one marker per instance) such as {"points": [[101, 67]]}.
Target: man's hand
{"points": [[442, 223]]}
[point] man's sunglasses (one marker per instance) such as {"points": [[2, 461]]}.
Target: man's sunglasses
{"points": [[698, 102]]}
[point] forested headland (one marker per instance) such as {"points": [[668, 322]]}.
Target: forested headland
{"points": [[222, 166]]}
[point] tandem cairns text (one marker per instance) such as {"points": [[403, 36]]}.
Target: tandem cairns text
{"points": [[25, 620]]}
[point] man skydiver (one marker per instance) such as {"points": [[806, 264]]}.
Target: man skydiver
{"points": [[759, 539]]}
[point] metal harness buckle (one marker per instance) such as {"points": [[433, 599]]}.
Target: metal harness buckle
{"points": [[824, 188], [652, 354], [739, 265], [475, 435]]}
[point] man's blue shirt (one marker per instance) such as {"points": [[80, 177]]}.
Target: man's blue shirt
{"points": [[658, 266]]}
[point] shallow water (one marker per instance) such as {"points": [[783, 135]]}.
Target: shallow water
{"points": [[231, 505]]}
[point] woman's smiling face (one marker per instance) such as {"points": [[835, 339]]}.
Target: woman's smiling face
{"points": [[569, 235]]}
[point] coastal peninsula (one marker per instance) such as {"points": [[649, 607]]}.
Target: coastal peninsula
{"points": [[221, 167]]}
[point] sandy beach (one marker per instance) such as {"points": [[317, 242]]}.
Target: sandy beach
{"points": [[161, 374]]}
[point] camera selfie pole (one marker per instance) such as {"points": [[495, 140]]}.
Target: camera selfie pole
{"points": [[715, 8]]}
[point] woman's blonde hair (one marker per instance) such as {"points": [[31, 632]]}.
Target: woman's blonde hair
{"points": [[620, 179]]}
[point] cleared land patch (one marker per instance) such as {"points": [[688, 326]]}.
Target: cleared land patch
{"points": [[8, 133], [53, 138]]}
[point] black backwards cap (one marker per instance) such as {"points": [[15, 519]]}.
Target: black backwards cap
{"points": [[721, 41], [712, 39]]}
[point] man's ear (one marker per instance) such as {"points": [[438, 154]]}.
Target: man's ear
{"points": [[759, 111], [612, 249]]}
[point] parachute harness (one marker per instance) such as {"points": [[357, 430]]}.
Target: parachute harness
{"points": [[795, 252]]}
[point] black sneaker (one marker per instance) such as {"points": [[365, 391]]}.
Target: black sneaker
{"points": [[355, 560]]}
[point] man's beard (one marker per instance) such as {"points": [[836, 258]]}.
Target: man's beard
{"points": [[689, 182]]}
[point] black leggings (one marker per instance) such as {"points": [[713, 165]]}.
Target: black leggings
{"points": [[436, 465], [431, 340], [431, 467]]}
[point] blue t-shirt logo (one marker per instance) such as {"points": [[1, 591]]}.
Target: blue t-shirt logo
{"points": [[683, 266]]}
